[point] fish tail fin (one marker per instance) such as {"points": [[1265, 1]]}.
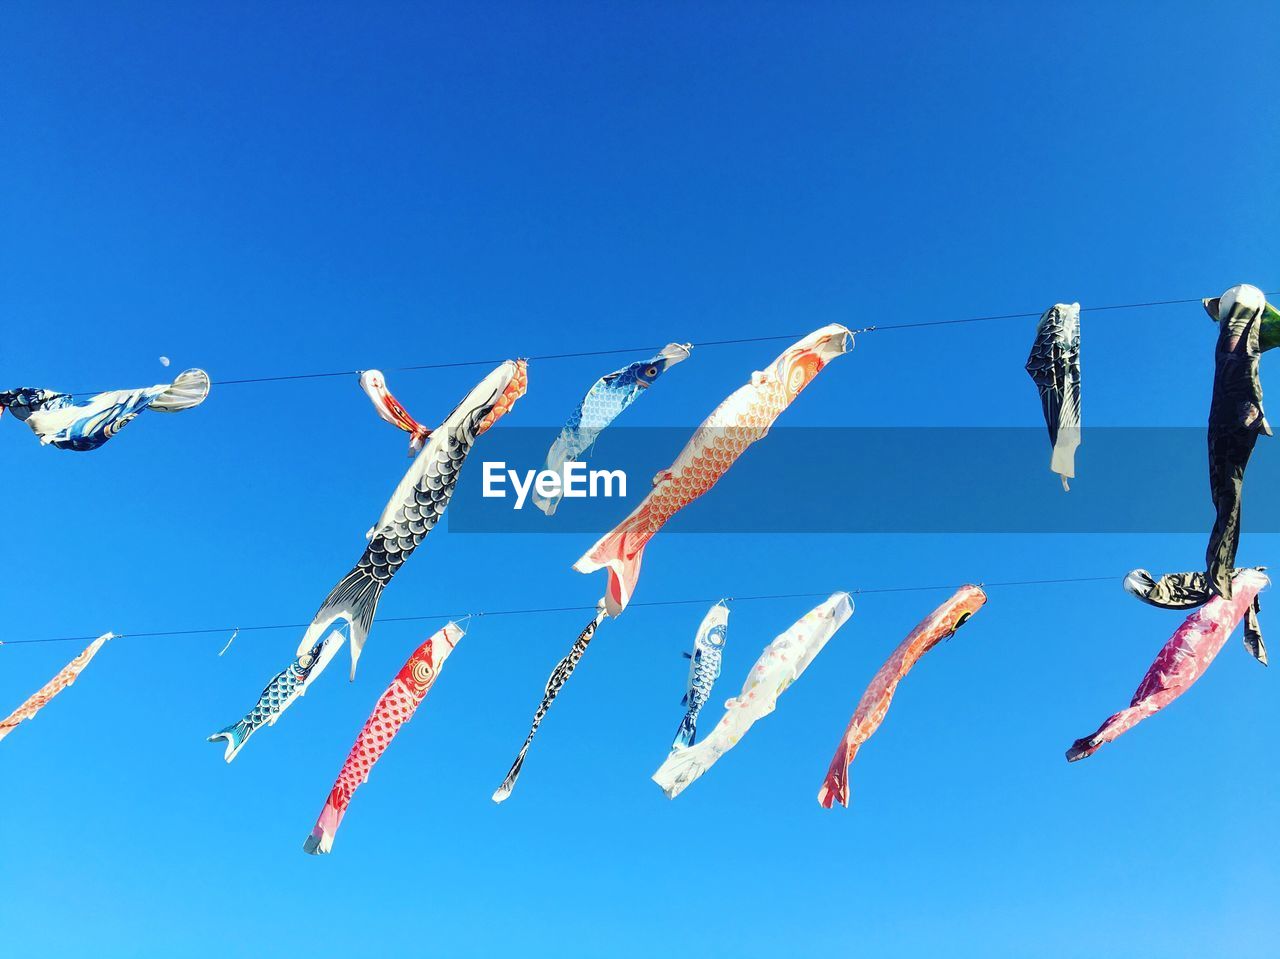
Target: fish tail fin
{"points": [[620, 552], [687, 730], [354, 599], [418, 436], [508, 784], [679, 769], [836, 786], [320, 842], [236, 735]]}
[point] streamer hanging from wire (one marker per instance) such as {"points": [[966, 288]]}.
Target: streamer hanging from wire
{"points": [[879, 328]]}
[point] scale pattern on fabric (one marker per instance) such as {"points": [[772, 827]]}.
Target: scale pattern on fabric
{"points": [[394, 708], [607, 398], [742, 419]]}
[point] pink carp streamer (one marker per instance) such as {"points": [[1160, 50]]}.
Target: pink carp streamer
{"points": [[66, 676], [939, 625], [395, 707], [743, 418], [1181, 662]]}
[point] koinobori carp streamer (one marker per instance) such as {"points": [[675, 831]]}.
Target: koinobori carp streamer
{"points": [[391, 410], [65, 677], [415, 507], [282, 692], [1189, 590], [1236, 418], [559, 676], [939, 625], [742, 419], [394, 708], [704, 669], [1180, 663], [778, 667], [607, 398], [63, 423], [1054, 367]]}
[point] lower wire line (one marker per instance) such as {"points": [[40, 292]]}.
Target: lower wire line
{"points": [[561, 609]]}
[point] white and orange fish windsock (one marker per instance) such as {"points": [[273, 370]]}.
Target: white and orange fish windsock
{"points": [[742, 419], [64, 678]]}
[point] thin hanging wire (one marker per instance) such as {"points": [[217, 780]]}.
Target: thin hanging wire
{"points": [[286, 377], [531, 611]]}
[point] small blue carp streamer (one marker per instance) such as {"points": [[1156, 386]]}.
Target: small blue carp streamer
{"points": [[704, 670], [61, 422], [280, 694], [608, 397]]}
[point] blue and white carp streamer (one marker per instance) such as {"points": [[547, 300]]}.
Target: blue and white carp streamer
{"points": [[282, 692], [606, 399], [704, 669], [61, 422]]}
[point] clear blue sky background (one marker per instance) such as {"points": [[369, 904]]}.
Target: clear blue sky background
{"points": [[262, 189]]}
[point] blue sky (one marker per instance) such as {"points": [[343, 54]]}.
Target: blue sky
{"points": [[266, 189]]}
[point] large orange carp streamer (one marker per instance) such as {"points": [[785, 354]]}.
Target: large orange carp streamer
{"points": [[395, 707], [66, 676], [939, 625], [1181, 662], [739, 421]]}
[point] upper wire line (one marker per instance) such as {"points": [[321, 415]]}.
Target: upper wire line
{"points": [[880, 327]]}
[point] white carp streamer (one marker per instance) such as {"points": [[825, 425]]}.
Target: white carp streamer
{"points": [[778, 667]]}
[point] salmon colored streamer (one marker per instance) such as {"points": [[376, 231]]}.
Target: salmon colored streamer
{"points": [[66, 676], [1181, 662], [939, 625], [742, 419], [395, 707]]}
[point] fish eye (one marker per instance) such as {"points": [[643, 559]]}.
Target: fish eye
{"points": [[651, 371]]}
